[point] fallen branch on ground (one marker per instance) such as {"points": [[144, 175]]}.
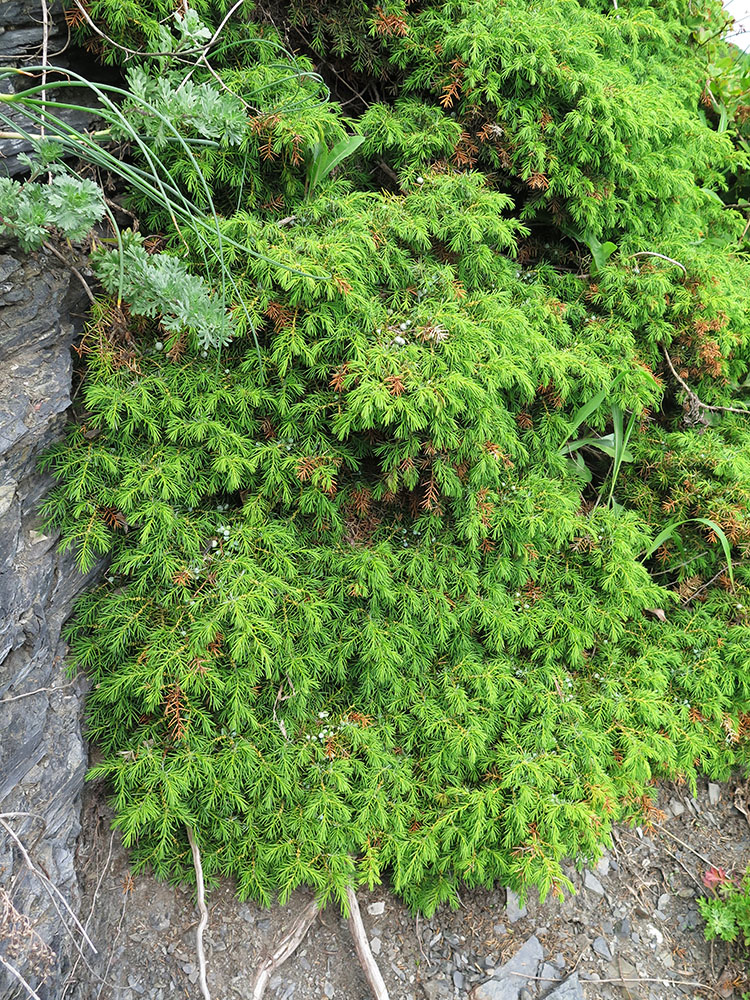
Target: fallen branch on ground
{"points": [[284, 949], [362, 946], [204, 915]]}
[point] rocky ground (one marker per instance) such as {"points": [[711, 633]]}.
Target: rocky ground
{"points": [[631, 931]]}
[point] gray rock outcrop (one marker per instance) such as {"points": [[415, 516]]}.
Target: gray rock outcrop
{"points": [[42, 754]]}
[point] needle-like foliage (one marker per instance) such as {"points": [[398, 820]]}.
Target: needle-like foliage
{"points": [[383, 598]]}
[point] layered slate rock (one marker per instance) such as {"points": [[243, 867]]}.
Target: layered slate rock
{"points": [[511, 978], [42, 753]]}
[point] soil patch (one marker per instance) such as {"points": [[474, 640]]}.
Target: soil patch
{"points": [[631, 931]]}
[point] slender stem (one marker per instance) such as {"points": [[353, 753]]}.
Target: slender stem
{"points": [[45, 49], [661, 256], [211, 42], [74, 269], [123, 48]]}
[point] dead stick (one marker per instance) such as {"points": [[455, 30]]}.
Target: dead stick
{"points": [[14, 972], [284, 949], [204, 915], [49, 886], [73, 268], [623, 980], [694, 398], [362, 946]]}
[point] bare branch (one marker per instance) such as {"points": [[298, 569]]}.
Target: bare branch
{"points": [[14, 972], [284, 949], [389, 171], [49, 887], [661, 256], [203, 912], [362, 946], [70, 979], [84, 284], [695, 401], [29, 694]]}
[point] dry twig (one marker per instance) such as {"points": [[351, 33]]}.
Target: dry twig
{"points": [[49, 886], [14, 972], [362, 946], [634, 980], [70, 979], [84, 284], [687, 847], [661, 256], [203, 912], [30, 694], [286, 947], [695, 401]]}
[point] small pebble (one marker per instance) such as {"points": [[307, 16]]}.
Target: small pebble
{"points": [[602, 949], [592, 883], [513, 909], [602, 867], [623, 928]]}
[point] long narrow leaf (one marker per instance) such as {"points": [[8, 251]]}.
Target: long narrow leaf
{"points": [[621, 443], [322, 162], [591, 406], [341, 151], [724, 541], [666, 533]]}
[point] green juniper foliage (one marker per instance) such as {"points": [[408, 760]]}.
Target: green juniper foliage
{"points": [[380, 599]]}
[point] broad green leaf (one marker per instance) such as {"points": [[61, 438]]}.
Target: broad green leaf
{"points": [[322, 161]]}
